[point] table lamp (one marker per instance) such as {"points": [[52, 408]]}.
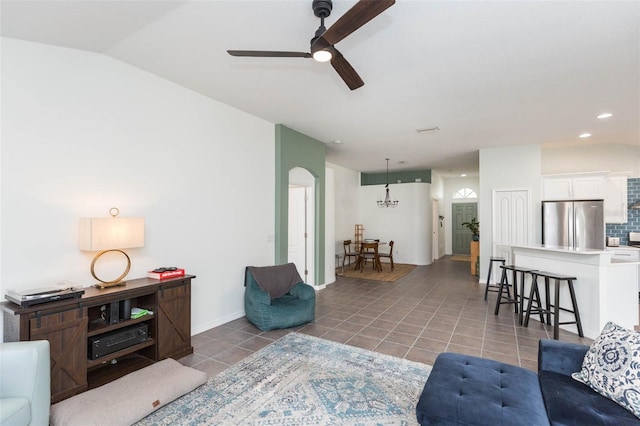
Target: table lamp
{"points": [[111, 234]]}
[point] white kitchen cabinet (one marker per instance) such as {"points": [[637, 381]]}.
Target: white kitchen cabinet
{"points": [[573, 187], [626, 253], [588, 187], [557, 188], [615, 199], [611, 188]]}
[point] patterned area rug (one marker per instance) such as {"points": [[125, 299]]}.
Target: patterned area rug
{"points": [[399, 271], [304, 380]]}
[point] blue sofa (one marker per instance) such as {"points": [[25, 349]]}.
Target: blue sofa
{"points": [[466, 390], [296, 307]]}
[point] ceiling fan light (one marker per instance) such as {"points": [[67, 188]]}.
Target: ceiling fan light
{"points": [[322, 55]]}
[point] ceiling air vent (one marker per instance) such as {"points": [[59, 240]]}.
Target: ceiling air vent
{"points": [[428, 129]]}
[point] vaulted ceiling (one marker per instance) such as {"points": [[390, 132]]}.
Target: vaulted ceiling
{"points": [[484, 73]]}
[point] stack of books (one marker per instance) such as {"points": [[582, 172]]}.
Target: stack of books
{"points": [[163, 273]]}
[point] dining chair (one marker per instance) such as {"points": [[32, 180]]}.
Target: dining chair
{"points": [[369, 251], [348, 252], [388, 255]]}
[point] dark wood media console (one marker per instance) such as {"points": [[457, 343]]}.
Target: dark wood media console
{"points": [[68, 324]]}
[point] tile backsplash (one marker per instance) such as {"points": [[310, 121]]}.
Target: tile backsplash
{"points": [[633, 219]]}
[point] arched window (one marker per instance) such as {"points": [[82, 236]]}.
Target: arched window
{"points": [[465, 193]]}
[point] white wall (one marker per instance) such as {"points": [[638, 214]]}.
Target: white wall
{"points": [[591, 158], [346, 189], [408, 225], [516, 167], [437, 193], [329, 227], [82, 133]]}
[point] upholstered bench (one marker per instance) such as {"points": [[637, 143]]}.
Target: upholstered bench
{"points": [[466, 390]]}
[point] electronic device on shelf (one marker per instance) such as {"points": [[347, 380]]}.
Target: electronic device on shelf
{"points": [[26, 298], [107, 343]]}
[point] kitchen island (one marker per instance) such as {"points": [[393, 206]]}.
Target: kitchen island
{"points": [[606, 289]]}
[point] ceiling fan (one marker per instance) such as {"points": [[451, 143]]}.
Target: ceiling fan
{"points": [[322, 44]]}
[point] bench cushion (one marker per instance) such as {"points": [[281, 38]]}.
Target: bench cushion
{"points": [[467, 390]]}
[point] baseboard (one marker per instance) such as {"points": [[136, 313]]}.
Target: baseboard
{"points": [[217, 322]]}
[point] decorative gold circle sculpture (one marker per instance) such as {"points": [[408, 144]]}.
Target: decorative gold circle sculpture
{"points": [[117, 281]]}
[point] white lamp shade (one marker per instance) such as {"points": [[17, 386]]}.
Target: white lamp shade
{"points": [[106, 233]]}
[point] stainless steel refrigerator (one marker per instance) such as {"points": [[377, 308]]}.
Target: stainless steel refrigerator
{"points": [[577, 224]]}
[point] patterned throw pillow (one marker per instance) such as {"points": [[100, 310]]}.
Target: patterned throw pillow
{"points": [[611, 367]]}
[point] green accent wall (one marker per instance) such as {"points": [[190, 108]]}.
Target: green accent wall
{"points": [[394, 177], [293, 149]]}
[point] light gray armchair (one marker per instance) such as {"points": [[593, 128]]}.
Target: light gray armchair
{"points": [[25, 383]]}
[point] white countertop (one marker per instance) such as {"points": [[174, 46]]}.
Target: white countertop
{"points": [[562, 249]]}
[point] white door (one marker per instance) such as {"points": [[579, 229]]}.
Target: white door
{"points": [[302, 222], [511, 221], [297, 228]]}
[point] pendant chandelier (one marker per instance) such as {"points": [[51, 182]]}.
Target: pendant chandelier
{"points": [[387, 199]]}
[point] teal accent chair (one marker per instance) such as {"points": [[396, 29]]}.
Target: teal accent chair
{"points": [[25, 383], [295, 308]]}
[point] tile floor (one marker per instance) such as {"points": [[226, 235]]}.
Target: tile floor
{"points": [[433, 309]]}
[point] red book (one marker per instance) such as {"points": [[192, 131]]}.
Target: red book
{"points": [[165, 274]]}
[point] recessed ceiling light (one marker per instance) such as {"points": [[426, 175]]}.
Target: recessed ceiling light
{"points": [[337, 141], [463, 175], [585, 135], [605, 115]]}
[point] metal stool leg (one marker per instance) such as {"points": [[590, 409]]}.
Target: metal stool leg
{"points": [[515, 290], [521, 300], [504, 283], [547, 296], [556, 310], [488, 284], [534, 296], [539, 304], [576, 313], [486, 289]]}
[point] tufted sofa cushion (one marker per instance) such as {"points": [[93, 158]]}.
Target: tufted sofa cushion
{"points": [[466, 390], [568, 401], [571, 402]]}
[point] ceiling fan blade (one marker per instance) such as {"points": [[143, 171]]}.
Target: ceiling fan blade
{"points": [[345, 70], [361, 13], [268, 54]]}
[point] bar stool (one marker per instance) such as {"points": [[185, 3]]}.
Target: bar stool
{"points": [[556, 301], [491, 260], [534, 297], [518, 293]]}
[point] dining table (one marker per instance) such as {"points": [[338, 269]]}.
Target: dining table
{"points": [[369, 250]]}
